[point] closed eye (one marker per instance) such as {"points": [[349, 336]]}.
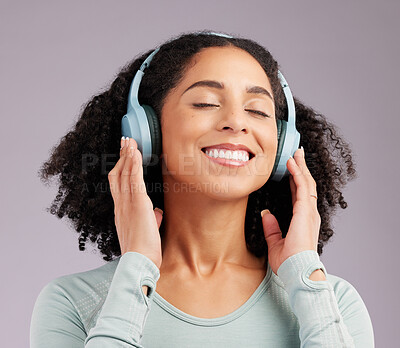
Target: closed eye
{"points": [[204, 105]]}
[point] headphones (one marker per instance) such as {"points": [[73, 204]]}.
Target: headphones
{"points": [[142, 124]]}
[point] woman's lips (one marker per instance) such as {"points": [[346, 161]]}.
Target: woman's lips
{"points": [[227, 162]]}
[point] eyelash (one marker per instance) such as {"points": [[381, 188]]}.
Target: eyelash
{"points": [[202, 105]]}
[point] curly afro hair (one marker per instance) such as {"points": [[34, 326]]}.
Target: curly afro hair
{"points": [[85, 155]]}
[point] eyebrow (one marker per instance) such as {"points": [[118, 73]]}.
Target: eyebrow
{"points": [[220, 85]]}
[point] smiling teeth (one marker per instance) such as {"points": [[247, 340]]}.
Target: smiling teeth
{"points": [[228, 154]]}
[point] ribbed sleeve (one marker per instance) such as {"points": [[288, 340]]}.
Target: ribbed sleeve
{"points": [[313, 303], [125, 310]]}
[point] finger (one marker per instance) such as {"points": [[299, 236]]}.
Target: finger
{"points": [[127, 169], [272, 232], [114, 176], [292, 188], [122, 153], [302, 184], [159, 215], [122, 145], [137, 181], [311, 181], [299, 156], [122, 156]]}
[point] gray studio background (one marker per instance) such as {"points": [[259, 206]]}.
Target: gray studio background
{"points": [[340, 57]]}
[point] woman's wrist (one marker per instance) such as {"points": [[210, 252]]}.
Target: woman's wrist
{"points": [[317, 275]]}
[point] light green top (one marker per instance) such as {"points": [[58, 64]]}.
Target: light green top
{"points": [[106, 308]]}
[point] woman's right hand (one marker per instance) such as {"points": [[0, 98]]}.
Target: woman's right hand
{"points": [[136, 222]]}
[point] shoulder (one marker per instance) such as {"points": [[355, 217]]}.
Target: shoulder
{"points": [[346, 294], [76, 295], [80, 284], [348, 298], [353, 309], [90, 282]]}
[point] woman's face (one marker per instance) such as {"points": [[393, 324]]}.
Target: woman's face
{"points": [[188, 128]]}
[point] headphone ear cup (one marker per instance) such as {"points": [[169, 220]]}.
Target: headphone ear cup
{"points": [[155, 130], [281, 127]]}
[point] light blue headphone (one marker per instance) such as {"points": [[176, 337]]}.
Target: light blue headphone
{"points": [[142, 124]]}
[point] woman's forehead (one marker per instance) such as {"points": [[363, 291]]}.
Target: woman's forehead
{"points": [[225, 63]]}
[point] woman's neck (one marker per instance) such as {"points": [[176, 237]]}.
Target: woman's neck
{"points": [[205, 235]]}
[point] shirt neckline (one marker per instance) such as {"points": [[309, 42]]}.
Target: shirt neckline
{"points": [[164, 304]]}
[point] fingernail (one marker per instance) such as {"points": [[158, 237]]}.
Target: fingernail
{"points": [[302, 149], [159, 210], [265, 211]]}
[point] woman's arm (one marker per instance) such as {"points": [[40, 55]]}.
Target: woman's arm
{"points": [[124, 313], [322, 323], [56, 321]]}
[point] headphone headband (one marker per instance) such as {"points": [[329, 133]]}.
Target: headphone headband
{"points": [[284, 84]]}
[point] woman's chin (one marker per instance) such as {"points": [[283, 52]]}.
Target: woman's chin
{"points": [[220, 187]]}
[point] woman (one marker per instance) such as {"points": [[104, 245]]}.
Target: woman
{"points": [[204, 267]]}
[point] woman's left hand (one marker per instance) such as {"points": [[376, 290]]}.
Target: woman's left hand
{"points": [[304, 228]]}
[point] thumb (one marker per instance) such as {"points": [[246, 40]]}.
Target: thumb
{"points": [[159, 215], [272, 232]]}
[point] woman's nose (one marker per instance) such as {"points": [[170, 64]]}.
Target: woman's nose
{"points": [[234, 119]]}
